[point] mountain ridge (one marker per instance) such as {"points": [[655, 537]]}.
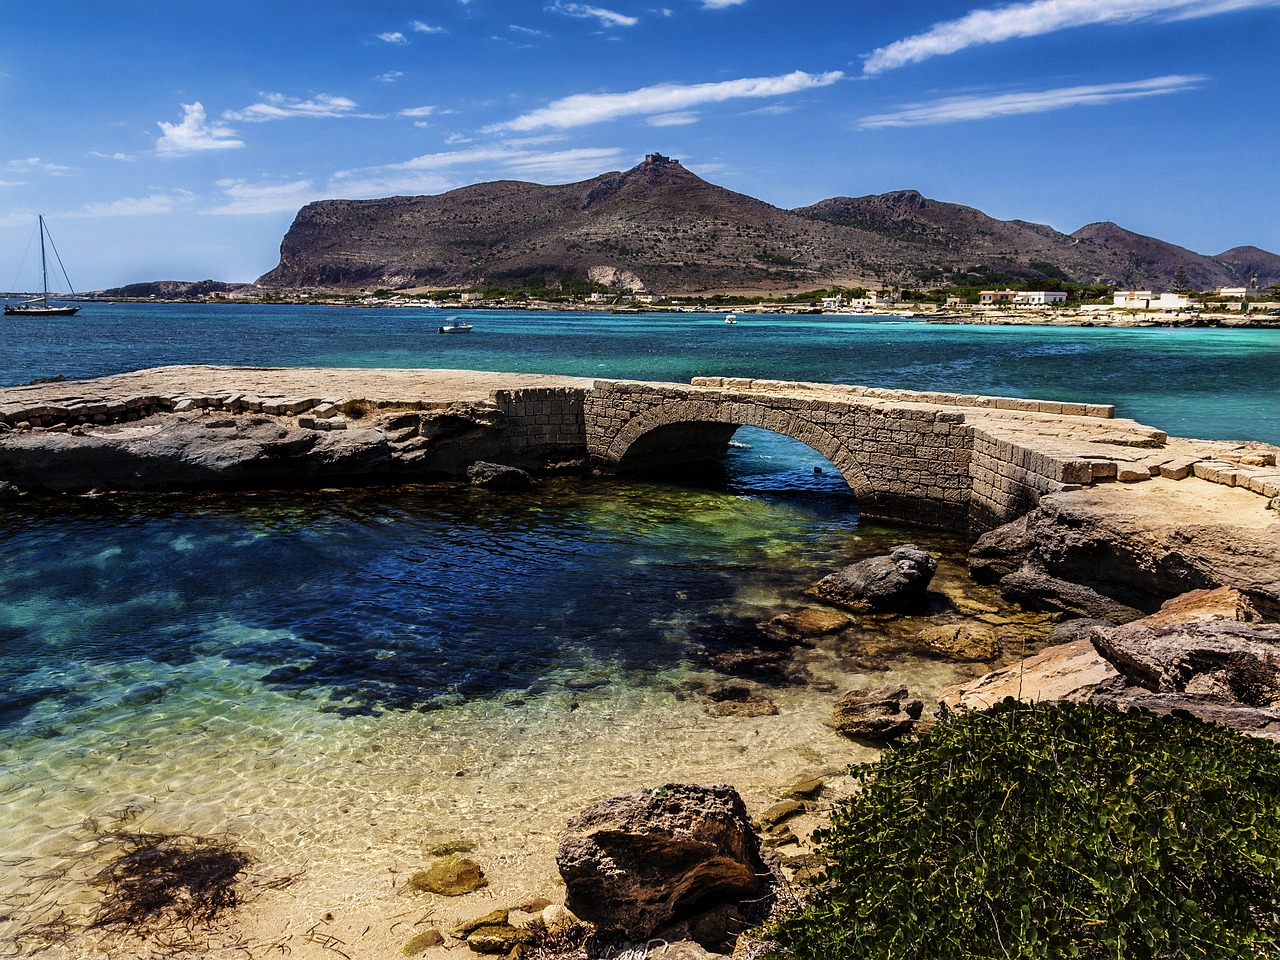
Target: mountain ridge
{"points": [[658, 227]]}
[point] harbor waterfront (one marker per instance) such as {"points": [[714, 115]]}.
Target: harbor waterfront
{"points": [[341, 681]]}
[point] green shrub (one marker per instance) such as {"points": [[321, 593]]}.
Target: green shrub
{"points": [[1051, 831]]}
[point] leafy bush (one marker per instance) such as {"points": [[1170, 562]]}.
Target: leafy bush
{"points": [[1052, 831]]}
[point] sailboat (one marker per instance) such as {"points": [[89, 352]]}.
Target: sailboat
{"points": [[39, 306]]}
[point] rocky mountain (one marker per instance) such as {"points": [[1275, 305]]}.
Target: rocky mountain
{"points": [[661, 228]]}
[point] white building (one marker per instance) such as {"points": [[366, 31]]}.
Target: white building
{"points": [[1039, 298], [1149, 300]]}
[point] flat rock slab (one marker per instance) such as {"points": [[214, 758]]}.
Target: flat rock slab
{"points": [[375, 384]]}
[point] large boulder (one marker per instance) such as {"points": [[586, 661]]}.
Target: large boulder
{"points": [[497, 476], [897, 582], [635, 864], [1136, 545]]}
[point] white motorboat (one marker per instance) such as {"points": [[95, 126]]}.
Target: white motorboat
{"points": [[455, 325], [730, 318]]}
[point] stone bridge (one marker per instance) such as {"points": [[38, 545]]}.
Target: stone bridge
{"points": [[941, 460]]}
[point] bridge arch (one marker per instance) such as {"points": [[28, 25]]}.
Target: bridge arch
{"points": [[692, 430]]}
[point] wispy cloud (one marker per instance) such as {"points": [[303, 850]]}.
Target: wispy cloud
{"points": [[36, 165], [527, 31], [416, 112], [956, 109], [1020, 20], [393, 36], [437, 172], [391, 76], [607, 18], [156, 204], [195, 133], [673, 119], [721, 4], [244, 198], [100, 155], [420, 27], [276, 106], [585, 108]]}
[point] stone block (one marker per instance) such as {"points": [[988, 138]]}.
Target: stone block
{"points": [[1215, 471], [1132, 472]]}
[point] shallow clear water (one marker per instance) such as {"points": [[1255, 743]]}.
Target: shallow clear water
{"points": [[330, 676]]}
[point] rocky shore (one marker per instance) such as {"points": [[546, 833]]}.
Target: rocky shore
{"points": [[1162, 595]]}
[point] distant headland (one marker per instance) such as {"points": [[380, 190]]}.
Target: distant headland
{"points": [[659, 231]]}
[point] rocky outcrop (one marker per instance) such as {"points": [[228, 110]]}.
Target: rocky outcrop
{"points": [[897, 582], [1114, 550], [497, 476], [875, 716], [636, 864], [1206, 653]]}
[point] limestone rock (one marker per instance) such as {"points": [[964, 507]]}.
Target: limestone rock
{"points": [[421, 942], [899, 581], [1034, 588], [877, 715], [498, 938], [739, 700], [634, 864], [810, 622], [1066, 671], [496, 476], [1224, 660], [961, 641], [449, 877], [1140, 545]]}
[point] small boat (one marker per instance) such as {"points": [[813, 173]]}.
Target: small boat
{"points": [[730, 318], [455, 325], [39, 306]]}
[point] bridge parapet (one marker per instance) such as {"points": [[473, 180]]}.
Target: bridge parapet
{"points": [[943, 460]]}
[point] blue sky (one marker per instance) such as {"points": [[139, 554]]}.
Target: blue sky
{"points": [[169, 140]]}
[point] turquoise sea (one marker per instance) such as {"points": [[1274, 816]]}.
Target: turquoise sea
{"points": [[337, 679]]}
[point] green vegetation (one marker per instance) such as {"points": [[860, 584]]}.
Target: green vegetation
{"points": [[1051, 831]]}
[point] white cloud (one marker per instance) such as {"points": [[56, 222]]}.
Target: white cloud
{"points": [[195, 133], [277, 106], [135, 206], [391, 76], [417, 112], [607, 18], [393, 37], [527, 31], [585, 108], [1039, 17], [99, 155], [721, 4], [244, 198], [438, 172], [36, 165], [420, 27], [956, 109], [673, 119]]}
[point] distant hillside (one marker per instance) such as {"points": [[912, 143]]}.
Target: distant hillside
{"points": [[170, 290], [659, 227]]}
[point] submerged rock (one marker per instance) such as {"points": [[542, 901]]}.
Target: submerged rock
{"points": [[450, 877], [634, 864], [897, 582], [496, 476], [962, 641]]}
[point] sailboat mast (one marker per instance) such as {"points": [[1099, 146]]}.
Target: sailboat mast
{"points": [[44, 270]]}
